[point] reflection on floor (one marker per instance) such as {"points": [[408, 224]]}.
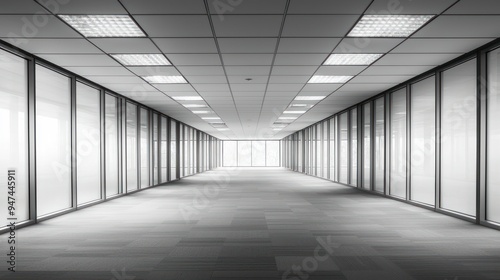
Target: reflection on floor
{"points": [[255, 224]]}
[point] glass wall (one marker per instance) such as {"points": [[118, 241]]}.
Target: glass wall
{"points": [[88, 143], [163, 150], [144, 148], [423, 136], [156, 143], [459, 138], [132, 160], [173, 150], [354, 147], [367, 146], [255, 153], [398, 144], [53, 140], [379, 149], [14, 136], [432, 143], [493, 138], [111, 128]]}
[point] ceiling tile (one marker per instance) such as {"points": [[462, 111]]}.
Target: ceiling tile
{"points": [[97, 71], [327, 6], [243, 79], [289, 79], [379, 79], [395, 70], [165, 7], [462, 26], [468, 7], [247, 26], [96, 7], [300, 59], [14, 26], [125, 45], [211, 87], [294, 70], [60, 46], [207, 79], [320, 88], [247, 45], [23, 7], [186, 45], [223, 8], [194, 59], [407, 7], [80, 59], [420, 45], [247, 59], [247, 70], [201, 70], [175, 88], [307, 45], [285, 87], [248, 87], [415, 59], [115, 79], [318, 25], [175, 25]]}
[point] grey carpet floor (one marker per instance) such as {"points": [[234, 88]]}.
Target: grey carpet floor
{"points": [[254, 223]]}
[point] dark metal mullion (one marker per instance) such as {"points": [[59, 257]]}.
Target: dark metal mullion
{"points": [[32, 140], [102, 113], [349, 139], [438, 141], [482, 126], [177, 147], [408, 142], [169, 152], [74, 152], [388, 143]]}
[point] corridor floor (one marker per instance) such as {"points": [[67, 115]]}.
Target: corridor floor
{"points": [[254, 223]]}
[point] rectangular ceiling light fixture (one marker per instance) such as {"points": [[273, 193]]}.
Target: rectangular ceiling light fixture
{"points": [[165, 79], [222, 129], [388, 25], [352, 58], [141, 59], [287, 118], [294, 112], [309, 98], [277, 129], [210, 118], [104, 25], [319, 79], [187, 98], [202, 112], [195, 106]]}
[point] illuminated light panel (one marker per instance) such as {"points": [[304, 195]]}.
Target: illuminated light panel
{"points": [[195, 106], [294, 112], [287, 118], [210, 118], [187, 98], [202, 112], [104, 25], [352, 58], [141, 59], [277, 129], [222, 129], [309, 98], [388, 25], [165, 79], [319, 79]]}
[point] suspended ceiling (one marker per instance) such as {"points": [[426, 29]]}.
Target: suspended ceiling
{"points": [[218, 45]]}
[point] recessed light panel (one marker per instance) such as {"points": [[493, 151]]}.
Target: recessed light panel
{"points": [[319, 79], [287, 118], [388, 25], [294, 112], [309, 98], [141, 59], [187, 98], [195, 106], [104, 25], [222, 129], [210, 118], [202, 112], [165, 79], [352, 58]]}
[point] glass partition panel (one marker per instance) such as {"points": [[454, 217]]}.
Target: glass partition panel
{"points": [[173, 150], [379, 152], [344, 140], [144, 148], [132, 168], [112, 174], [258, 153], [398, 144], [493, 138], [367, 146], [244, 153], [354, 147], [230, 153], [459, 138], [88, 143], [272, 153]]}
